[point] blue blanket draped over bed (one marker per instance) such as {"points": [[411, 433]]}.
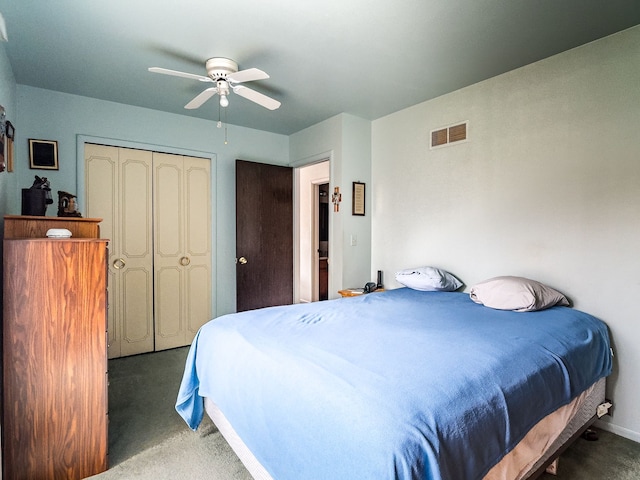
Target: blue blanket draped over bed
{"points": [[400, 384]]}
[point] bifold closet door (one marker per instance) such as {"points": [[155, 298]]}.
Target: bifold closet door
{"points": [[118, 183], [182, 247]]}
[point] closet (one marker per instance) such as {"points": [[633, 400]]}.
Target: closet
{"points": [[156, 211]]}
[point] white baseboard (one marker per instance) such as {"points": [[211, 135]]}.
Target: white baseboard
{"points": [[618, 430]]}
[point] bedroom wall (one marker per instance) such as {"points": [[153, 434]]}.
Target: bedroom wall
{"points": [[346, 141], [7, 180], [8, 95], [49, 115], [548, 187]]}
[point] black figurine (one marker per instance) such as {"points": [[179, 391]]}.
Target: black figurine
{"points": [[43, 184]]}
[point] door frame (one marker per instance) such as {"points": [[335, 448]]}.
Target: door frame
{"points": [[297, 191]]}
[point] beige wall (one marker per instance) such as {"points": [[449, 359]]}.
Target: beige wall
{"points": [[548, 186]]}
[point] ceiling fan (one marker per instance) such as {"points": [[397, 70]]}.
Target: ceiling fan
{"points": [[224, 73]]}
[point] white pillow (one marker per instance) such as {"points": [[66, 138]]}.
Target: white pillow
{"points": [[516, 293], [428, 279]]}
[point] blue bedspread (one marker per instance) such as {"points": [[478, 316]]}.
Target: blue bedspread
{"points": [[400, 384]]}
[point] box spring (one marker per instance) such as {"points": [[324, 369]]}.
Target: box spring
{"points": [[527, 460]]}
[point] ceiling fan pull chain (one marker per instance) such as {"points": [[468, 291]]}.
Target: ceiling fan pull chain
{"points": [[225, 126]]}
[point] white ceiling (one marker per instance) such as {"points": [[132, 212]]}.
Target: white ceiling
{"points": [[368, 58]]}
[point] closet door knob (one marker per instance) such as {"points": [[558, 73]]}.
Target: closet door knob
{"points": [[119, 263], [184, 261], [242, 261]]}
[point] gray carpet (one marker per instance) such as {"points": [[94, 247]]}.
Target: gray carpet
{"points": [[149, 441], [147, 438], [611, 457]]}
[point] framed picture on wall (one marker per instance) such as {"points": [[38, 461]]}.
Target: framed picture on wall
{"points": [[43, 154], [357, 205]]}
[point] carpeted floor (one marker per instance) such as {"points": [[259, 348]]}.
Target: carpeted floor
{"points": [[149, 441], [147, 438], [611, 457]]}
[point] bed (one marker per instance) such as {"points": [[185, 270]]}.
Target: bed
{"points": [[402, 384]]}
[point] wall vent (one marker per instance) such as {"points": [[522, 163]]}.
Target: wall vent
{"points": [[448, 135]]}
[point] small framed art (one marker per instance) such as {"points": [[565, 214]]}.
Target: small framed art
{"points": [[43, 154], [357, 205]]}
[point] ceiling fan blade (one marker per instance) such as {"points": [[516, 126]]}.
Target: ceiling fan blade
{"points": [[257, 97], [176, 73], [247, 75], [201, 98]]}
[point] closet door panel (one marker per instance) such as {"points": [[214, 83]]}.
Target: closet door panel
{"points": [[198, 299], [103, 201], [169, 250], [135, 261], [198, 207], [168, 204], [136, 209], [136, 307], [101, 184], [198, 243], [118, 186], [169, 307], [182, 201], [157, 210]]}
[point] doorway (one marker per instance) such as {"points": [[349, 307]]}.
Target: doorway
{"points": [[313, 259], [322, 229]]}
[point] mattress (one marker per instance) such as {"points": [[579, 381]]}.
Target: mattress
{"points": [[535, 450], [420, 385]]}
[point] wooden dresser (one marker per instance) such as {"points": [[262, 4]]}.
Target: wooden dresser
{"points": [[54, 358], [26, 226]]}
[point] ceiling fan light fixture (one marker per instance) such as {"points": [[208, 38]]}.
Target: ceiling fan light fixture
{"points": [[224, 73]]}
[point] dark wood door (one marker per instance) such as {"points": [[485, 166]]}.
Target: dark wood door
{"points": [[264, 235]]}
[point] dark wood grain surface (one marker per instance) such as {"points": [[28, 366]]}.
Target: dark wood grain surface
{"points": [[264, 235], [24, 226], [55, 361]]}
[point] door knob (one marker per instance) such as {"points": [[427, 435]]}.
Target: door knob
{"points": [[242, 261], [184, 261], [118, 263]]}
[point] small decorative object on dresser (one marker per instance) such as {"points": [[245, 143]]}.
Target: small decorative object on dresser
{"points": [[36, 198], [67, 205]]}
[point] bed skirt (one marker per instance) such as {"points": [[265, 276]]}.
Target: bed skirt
{"points": [[544, 442]]}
